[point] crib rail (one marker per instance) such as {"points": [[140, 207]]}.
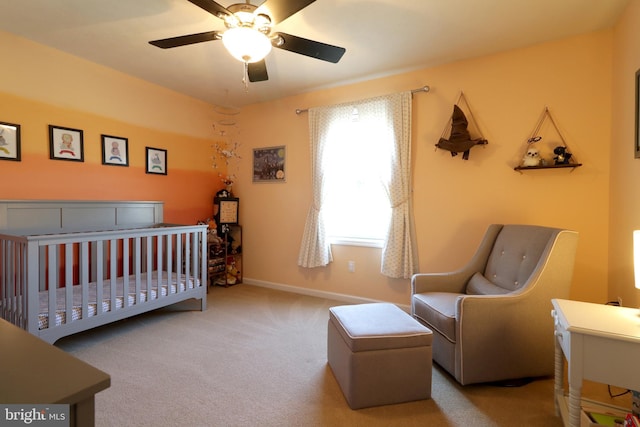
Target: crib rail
{"points": [[51, 281]]}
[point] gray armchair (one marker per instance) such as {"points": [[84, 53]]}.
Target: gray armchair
{"points": [[491, 319]]}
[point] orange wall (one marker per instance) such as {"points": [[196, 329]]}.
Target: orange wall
{"points": [[101, 101], [625, 169], [454, 200]]}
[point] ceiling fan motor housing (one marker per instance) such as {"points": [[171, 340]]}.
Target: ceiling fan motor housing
{"points": [[243, 15], [249, 36]]}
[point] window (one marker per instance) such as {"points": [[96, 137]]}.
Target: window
{"points": [[356, 170], [361, 182]]}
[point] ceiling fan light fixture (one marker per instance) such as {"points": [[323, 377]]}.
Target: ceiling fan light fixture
{"points": [[246, 44]]}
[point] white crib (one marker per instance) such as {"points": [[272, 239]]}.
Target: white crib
{"points": [[58, 283]]}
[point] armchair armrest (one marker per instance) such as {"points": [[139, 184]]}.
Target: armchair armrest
{"points": [[524, 342], [440, 282]]}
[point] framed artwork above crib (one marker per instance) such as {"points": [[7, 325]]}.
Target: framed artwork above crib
{"points": [[9, 141], [115, 150], [156, 161], [66, 144]]}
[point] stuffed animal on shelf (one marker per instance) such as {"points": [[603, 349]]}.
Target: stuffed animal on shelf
{"points": [[562, 156], [532, 157]]}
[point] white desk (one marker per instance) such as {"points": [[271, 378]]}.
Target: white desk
{"points": [[601, 344]]}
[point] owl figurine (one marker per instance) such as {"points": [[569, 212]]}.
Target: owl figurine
{"points": [[531, 158]]}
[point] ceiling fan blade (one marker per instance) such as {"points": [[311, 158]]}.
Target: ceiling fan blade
{"points": [[257, 71], [185, 40], [311, 48], [212, 7], [279, 10]]}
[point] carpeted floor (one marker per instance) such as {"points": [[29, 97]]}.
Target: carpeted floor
{"points": [[257, 357]]}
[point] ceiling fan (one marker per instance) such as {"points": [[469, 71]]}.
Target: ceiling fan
{"points": [[249, 35]]}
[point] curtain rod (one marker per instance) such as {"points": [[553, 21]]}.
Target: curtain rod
{"points": [[421, 89]]}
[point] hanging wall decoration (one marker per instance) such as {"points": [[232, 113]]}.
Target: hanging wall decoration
{"points": [[547, 149], [226, 156], [460, 140]]}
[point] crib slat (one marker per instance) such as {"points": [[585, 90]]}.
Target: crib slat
{"points": [[204, 253], [31, 286], [138, 269], [84, 277], [113, 271], [169, 256], [159, 274], [21, 286], [7, 249], [52, 262], [187, 256], [149, 271], [10, 292], [100, 276], [195, 254], [68, 282], [43, 278], [179, 264], [125, 271], [194, 257]]}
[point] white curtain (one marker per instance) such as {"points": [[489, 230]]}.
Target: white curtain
{"points": [[395, 112], [315, 250], [398, 255]]}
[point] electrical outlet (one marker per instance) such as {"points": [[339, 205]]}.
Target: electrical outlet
{"points": [[351, 266]]}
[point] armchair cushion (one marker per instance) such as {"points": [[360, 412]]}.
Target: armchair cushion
{"points": [[438, 310], [516, 254], [479, 285]]}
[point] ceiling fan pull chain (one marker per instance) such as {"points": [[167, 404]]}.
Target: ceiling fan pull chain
{"points": [[245, 77]]}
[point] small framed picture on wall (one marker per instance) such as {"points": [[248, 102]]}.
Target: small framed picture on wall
{"points": [[9, 141], [115, 150], [156, 161], [66, 144], [269, 164]]}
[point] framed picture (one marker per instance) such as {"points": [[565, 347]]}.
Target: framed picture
{"points": [[156, 161], [269, 164], [115, 150], [9, 141], [637, 138], [229, 207], [66, 144]]}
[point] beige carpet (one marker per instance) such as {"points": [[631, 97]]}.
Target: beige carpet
{"points": [[257, 357]]}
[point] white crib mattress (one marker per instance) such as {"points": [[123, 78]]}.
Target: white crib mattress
{"points": [[76, 311]]}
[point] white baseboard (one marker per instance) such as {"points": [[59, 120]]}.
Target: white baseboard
{"points": [[315, 293]]}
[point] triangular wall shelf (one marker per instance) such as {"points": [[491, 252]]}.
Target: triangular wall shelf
{"points": [[460, 139], [563, 158]]}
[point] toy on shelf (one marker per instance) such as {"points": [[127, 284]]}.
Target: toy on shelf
{"points": [[562, 155], [531, 157]]}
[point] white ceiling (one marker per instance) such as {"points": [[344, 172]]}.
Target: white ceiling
{"points": [[381, 37]]}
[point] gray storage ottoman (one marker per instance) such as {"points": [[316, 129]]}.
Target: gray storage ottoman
{"points": [[379, 354]]}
